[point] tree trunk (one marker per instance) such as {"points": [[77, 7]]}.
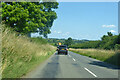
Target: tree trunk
{"points": [[29, 34]]}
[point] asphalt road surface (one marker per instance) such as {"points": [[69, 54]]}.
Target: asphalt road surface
{"points": [[73, 66]]}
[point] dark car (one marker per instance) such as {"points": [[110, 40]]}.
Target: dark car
{"points": [[62, 49]]}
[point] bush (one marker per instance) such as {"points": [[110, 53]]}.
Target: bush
{"points": [[117, 47], [39, 40]]}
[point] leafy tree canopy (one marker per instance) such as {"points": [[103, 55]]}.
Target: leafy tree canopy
{"points": [[29, 17], [69, 41]]}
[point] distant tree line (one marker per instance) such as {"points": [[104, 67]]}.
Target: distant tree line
{"points": [[69, 41], [107, 42]]}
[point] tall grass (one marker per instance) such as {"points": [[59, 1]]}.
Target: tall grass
{"points": [[20, 55], [0, 51], [108, 56]]}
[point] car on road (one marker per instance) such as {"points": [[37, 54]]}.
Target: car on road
{"points": [[62, 49]]}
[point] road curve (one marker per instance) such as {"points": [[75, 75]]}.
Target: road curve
{"points": [[73, 66]]}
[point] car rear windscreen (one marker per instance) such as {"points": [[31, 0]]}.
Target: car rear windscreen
{"points": [[62, 46]]}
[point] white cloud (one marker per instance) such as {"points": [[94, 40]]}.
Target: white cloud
{"points": [[113, 31], [59, 32], [55, 31], [66, 34], [109, 26], [62, 33]]}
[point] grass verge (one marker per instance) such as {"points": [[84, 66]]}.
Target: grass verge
{"points": [[108, 56], [20, 55]]}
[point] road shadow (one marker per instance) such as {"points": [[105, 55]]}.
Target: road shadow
{"points": [[52, 68], [112, 62], [104, 64], [59, 54], [56, 53]]}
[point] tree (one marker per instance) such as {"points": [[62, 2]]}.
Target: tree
{"points": [[108, 41], [29, 17], [69, 41], [104, 37], [118, 39], [109, 34]]}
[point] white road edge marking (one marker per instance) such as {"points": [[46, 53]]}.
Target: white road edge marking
{"points": [[90, 72], [74, 59]]}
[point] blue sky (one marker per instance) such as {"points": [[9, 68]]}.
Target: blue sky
{"points": [[85, 20]]}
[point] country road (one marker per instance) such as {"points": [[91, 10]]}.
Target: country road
{"points": [[73, 66]]}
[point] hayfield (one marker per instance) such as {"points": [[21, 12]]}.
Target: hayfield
{"points": [[109, 56]]}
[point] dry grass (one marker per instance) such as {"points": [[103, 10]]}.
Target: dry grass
{"points": [[18, 52], [0, 50], [109, 56]]}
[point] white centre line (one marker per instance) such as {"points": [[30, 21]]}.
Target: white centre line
{"points": [[74, 59], [90, 72]]}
